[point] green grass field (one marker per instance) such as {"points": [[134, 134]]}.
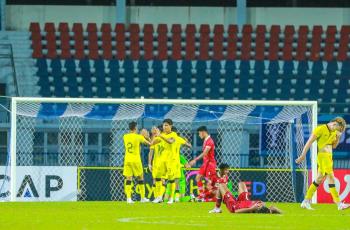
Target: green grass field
{"points": [[119, 215]]}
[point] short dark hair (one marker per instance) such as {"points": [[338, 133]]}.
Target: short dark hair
{"points": [[263, 209], [174, 129], [202, 129], [223, 166], [168, 121], [160, 127], [132, 125]]}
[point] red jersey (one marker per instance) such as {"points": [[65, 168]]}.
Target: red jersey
{"points": [[210, 157]]}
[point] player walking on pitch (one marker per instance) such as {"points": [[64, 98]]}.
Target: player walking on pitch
{"points": [[327, 137], [132, 160], [208, 168]]}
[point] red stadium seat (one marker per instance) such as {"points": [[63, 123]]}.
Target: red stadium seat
{"points": [[34, 27], [107, 50], [232, 42], [302, 41], [162, 39], [77, 28], [176, 41], [260, 42], [316, 43], [134, 41], [274, 42], [218, 42], [343, 43], [246, 42], [50, 27], [106, 28], [91, 27], [63, 27], [204, 42]]}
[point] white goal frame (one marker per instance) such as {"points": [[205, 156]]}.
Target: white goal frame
{"points": [[16, 100]]}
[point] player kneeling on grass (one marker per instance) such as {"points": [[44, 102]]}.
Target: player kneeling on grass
{"points": [[327, 137], [132, 161], [242, 204]]}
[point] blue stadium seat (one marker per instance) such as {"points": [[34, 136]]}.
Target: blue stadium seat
{"points": [[201, 75], [186, 76]]}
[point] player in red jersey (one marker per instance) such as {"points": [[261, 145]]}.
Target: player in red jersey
{"points": [[242, 204], [211, 187], [208, 168]]}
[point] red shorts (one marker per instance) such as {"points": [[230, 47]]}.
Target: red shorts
{"points": [[230, 202], [208, 169]]}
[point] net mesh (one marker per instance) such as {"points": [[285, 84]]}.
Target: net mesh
{"points": [[282, 133]]}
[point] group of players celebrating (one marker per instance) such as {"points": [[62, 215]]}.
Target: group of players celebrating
{"points": [[165, 145], [164, 162]]}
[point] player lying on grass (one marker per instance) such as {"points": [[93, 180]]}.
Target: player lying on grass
{"points": [[132, 161], [327, 137], [208, 167], [242, 204]]}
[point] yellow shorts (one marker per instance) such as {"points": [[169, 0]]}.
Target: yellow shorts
{"points": [[325, 163], [159, 169], [132, 169], [173, 170]]}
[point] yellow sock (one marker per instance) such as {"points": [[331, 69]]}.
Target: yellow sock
{"points": [[172, 189], [162, 190], [141, 189], [155, 194], [334, 193], [312, 189], [128, 189], [158, 190]]}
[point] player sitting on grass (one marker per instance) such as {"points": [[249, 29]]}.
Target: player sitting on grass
{"points": [[132, 161], [210, 191], [242, 204], [327, 137]]}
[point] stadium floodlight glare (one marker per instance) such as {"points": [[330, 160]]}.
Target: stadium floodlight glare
{"points": [[283, 127]]}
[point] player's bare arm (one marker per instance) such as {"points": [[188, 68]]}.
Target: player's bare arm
{"points": [[306, 148], [150, 157], [336, 142], [203, 154]]}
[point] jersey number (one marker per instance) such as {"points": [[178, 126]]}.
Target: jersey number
{"points": [[160, 149], [130, 146]]}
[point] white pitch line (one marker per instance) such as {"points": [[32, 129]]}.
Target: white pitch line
{"points": [[162, 220]]}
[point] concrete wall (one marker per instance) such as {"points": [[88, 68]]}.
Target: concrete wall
{"points": [[18, 17]]}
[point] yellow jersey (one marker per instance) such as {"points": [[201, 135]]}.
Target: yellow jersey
{"points": [[176, 148], [157, 150], [132, 143], [168, 148], [324, 136]]}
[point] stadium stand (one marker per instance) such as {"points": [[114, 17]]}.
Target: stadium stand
{"points": [[187, 62]]}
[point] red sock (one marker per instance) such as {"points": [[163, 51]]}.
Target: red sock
{"points": [[200, 189], [218, 202]]}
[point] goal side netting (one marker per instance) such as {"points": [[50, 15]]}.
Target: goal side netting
{"points": [[72, 149]]}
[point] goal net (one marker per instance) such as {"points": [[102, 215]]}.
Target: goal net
{"points": [[72, 149]]}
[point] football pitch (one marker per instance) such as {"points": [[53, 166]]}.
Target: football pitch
{"points": [[119, 215]]}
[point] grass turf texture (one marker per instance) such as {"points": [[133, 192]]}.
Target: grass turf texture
{"points": [[119, 215]]}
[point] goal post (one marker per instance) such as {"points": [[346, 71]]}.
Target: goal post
{"points": [[72, 143]]}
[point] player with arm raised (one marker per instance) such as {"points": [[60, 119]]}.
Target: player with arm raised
{"points": [[327, 137], [132, 161], [155, 161], [208, 167], [167, 138], [176, 162]]}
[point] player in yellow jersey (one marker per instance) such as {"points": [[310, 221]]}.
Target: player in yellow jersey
{"points": [[175, 162], [155, 160], [167, 138], [132, 160], [327, 137]]}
